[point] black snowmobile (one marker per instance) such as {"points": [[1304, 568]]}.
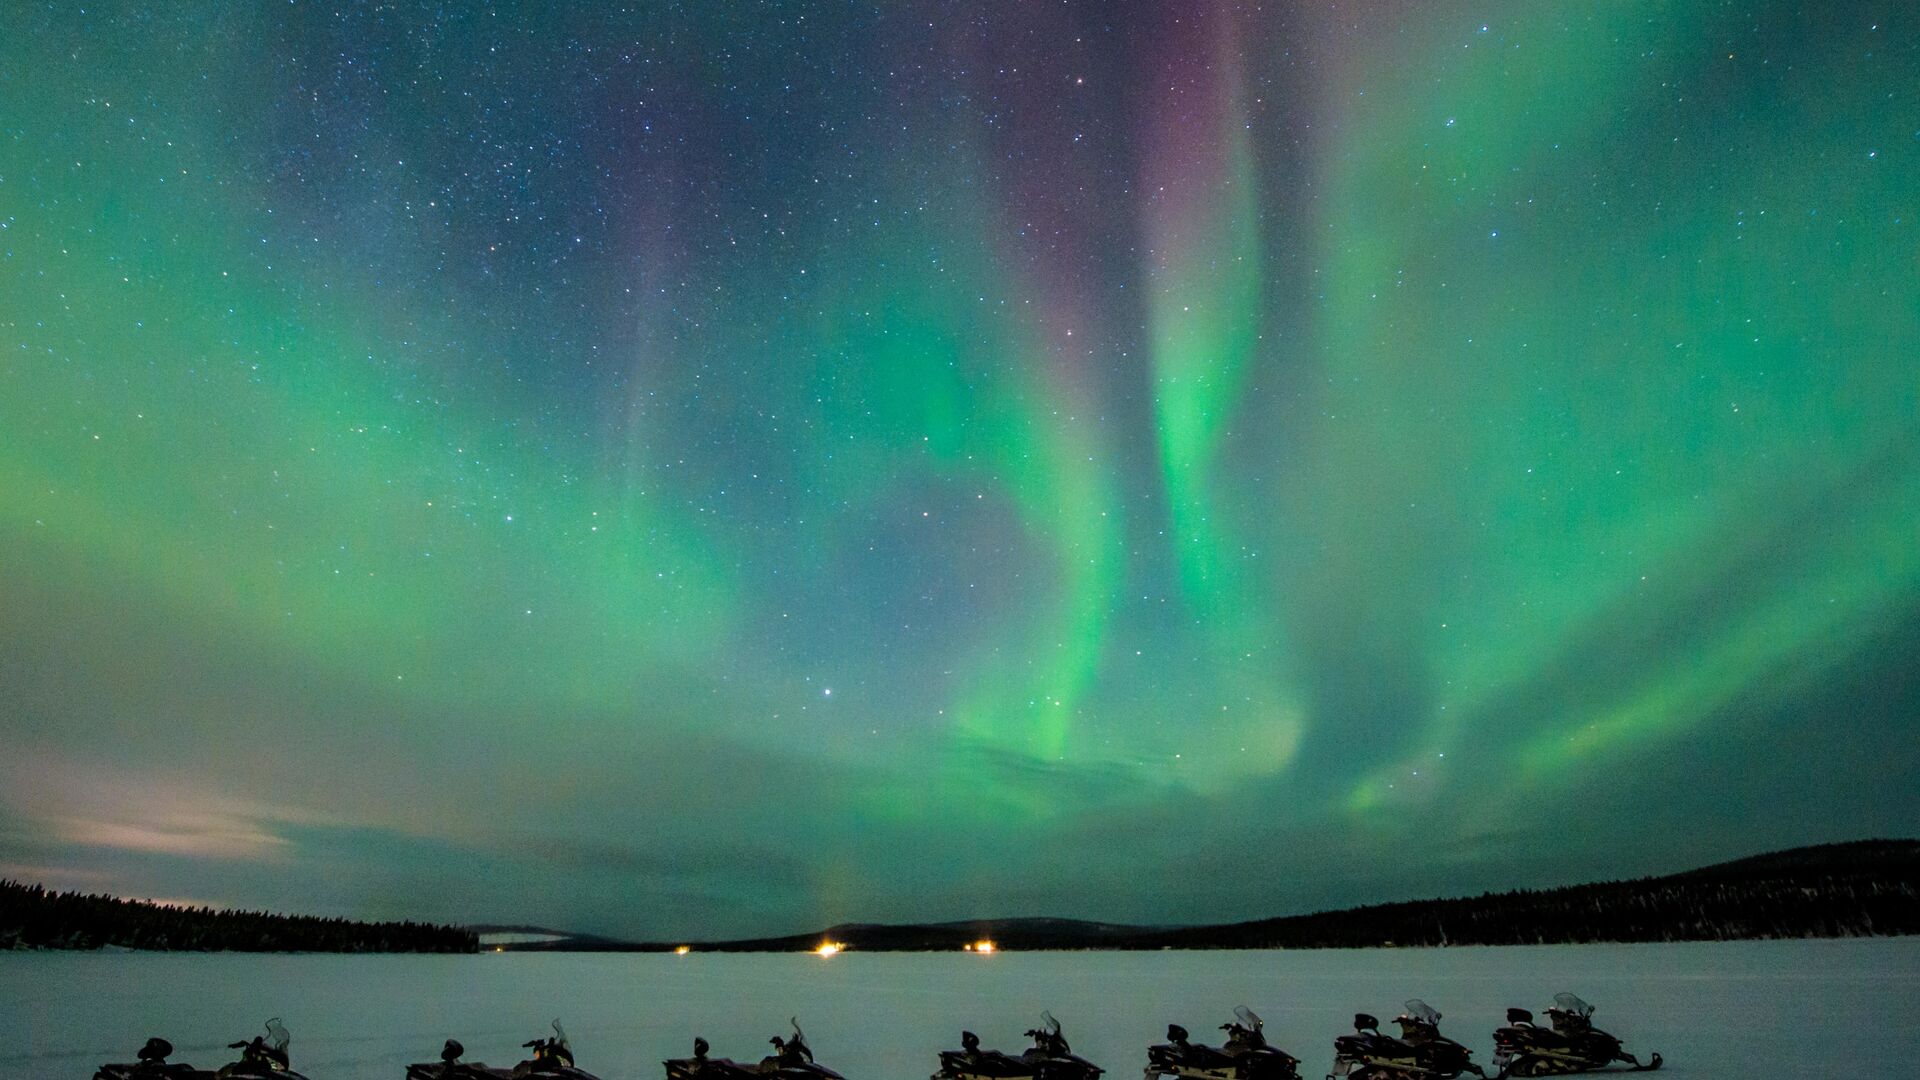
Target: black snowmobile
{"points": [[264, 1056], [1420, 1052], [1246, 1056], [551, 1058], [792, 1059], [1571, 1045], [153, 1065], [1050, 1058], [450, 1067]]}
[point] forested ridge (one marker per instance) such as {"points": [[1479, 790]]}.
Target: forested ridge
{"points": [[32, 917], [1862, 889], [1865, 888]]}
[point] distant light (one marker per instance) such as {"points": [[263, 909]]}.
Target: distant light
{"points": [[683, 950], [982, 946], [499, 948], [829, 948]]}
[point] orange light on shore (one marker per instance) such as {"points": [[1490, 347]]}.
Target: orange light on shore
{"points": [[683, 950], [828, 948], [983, 946]]}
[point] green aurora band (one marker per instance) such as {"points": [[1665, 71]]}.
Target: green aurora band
{"points": [[687, 473]]}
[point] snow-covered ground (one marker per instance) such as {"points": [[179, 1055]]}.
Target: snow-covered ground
{"points": [[1760, 1009]]}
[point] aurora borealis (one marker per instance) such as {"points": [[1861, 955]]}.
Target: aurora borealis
{"points": [[722, 468]]}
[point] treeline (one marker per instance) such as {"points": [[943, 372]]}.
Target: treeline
{"points": [[31, 917], [1845, 890]]}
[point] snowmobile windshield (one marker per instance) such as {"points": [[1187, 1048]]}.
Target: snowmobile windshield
{"points": [[1571, 1003], [277, 1036], [560, 1035], [798, 1043], [1420, 1010], [1048, 1039], [1247, 1017]]}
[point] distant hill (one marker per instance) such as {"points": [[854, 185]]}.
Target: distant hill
{"points": [[501, 937], [1855, 857], [1862, 889], [33, 918], [1867, 888], [942, 937]]}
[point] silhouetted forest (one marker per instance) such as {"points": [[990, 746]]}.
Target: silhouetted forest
{"points": [[1865, 889], [1862, 889], [31, 917]]}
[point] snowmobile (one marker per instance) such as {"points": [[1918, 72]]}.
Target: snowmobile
{"points": [[264, 1056], [1571, 1045], [1420, 1052], [450, 1067], [152, 1064], [708, 1068], [551, 1057], [792, 1059], [1050, 1058], [1246, 1056]]}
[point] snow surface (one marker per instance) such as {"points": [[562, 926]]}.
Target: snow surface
{"points": [[1789, 1009]]}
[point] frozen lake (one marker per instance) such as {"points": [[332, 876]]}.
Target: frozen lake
{"points": [[1754, 1009]]}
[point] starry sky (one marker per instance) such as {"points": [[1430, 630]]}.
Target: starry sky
{"points": [[710, 468]]}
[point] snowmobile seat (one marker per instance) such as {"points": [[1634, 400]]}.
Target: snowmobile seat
{"points": [[1547, 1037], [1519, 1016], [1365, 1022], [1393, 1049]]}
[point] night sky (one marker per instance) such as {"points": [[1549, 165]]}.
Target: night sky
{"points": [[721, 468]]}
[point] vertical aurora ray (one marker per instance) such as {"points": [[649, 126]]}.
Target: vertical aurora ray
{"points": [[1203, 277], [1208, 306]]}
